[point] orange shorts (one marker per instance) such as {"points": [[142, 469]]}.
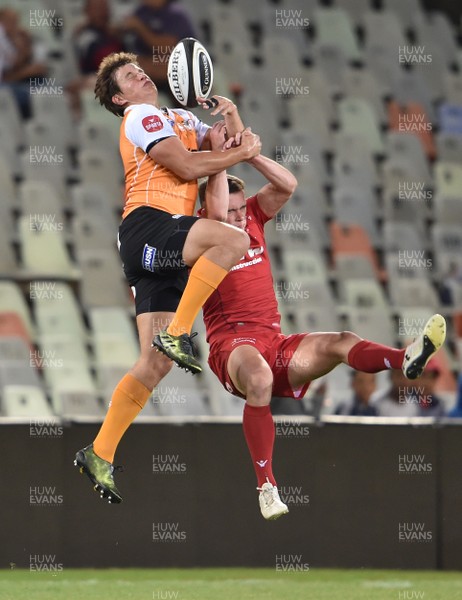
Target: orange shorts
{"points": [[277, 349]]}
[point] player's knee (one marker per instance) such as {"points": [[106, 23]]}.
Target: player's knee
{"points": [[160, 364], [238, 240], [343, 341], [260, 381]]}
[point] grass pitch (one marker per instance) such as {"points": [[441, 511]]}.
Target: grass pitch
{"points": [[229, 584]]}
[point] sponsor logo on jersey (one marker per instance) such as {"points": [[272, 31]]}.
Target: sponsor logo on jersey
{"points": [[261, 463], [255, 251], [177, 216], [152, 123], [149, 254]]}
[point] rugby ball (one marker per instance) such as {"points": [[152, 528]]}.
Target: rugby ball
{"points": [[190, 72]]}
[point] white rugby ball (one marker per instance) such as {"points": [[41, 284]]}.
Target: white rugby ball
{"points": [[190, 72]]}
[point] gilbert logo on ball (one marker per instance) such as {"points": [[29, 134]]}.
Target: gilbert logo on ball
{"points": [[190, 72]]}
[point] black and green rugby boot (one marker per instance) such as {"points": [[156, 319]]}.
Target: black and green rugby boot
{"points": [[179, 348], [100, 472]]}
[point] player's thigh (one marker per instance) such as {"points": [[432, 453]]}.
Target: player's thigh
{"points": [[247, 368], [205, 234], [316, 355]]}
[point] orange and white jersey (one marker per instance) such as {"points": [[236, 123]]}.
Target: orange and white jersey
{"points": [[148, 183]]}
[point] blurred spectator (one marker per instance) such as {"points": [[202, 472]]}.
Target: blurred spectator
{"points": [[152, 31], [451, 280], [400, 399], [363, 386], [20, 59], [412, 398], [428, 402], [93, 39], [457, 410]]}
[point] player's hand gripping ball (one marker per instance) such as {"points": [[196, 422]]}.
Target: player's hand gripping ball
{"points": [[190, 72]]}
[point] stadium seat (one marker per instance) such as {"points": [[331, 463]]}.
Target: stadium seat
{"points": [[332, 62], [301, 150], [9, 193], [382, 61], [93, 201], [12, 325], [408, 13], [334, 28], [453, 88], [411, 86], [46, 163], [25, 401], [57, 311], [102, 279], [450, 118], [315, 318], [356, 116], [8, 263], [402, 236], [407, 206], [48, 110], [437, 32], [447, 243], [100, 168], [383, 32], [412, 291], [449, 147], [354, 266], [448, 179], [356, 9], [67, 376], [401, 146], [353, 239], [75, 404], [371, 325], [353, 163], [43, 249], [362, 83], [275, 21], [355, 205], [42, 132], [308, 114], [413, 119], [11, 116], [363, 294], [447, 209], [304, 266], [12, 300], [40, 198], [92, 234], [9, 150], [92, 112], [19, 373]]}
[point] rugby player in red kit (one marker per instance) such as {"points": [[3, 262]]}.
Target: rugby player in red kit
{"points": [[248, 353]]}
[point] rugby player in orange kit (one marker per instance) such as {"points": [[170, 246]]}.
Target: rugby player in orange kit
{"points": [[163, 151]]}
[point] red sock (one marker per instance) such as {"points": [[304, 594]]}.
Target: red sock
{"points": [[371, 357], [259, 434]]}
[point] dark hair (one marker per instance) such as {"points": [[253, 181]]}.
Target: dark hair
{"points": [[234, 185], [106, 85]]}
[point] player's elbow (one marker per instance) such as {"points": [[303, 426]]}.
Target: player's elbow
{"points": [[186, 172], [292, 184], [217, 214]]}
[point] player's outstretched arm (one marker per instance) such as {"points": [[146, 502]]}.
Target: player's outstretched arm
{"points": [[187, 165], [281, 185], [216, 193], [228, 110]]}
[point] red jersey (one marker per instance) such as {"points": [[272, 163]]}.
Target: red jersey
{"points": [[246, 295]]}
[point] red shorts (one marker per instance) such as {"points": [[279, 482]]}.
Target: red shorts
{"points": [[277, 349]]}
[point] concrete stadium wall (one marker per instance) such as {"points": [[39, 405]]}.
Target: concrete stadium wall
{"points": [[351, 504]]}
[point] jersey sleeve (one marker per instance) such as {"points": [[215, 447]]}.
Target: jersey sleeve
{"points": [[146, 125], [253, 208], [200, 127]]}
